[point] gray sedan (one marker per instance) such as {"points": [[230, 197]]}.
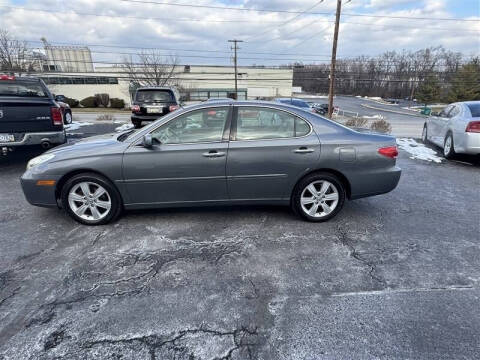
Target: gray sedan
{"points": [[233, 153], [456, 129]]}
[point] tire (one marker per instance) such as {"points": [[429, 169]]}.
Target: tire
{"points": [[137, 124], [74, 188], [425, 134], [68, 118], [333, 197], [448, 146]]}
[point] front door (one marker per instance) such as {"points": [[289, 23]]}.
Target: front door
{"points": [[186, 163], [438, 123], [269, 150]]}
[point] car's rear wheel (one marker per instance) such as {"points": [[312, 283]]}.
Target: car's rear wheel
{"points": [[319, 197], [91, 199], [448, 149], [68, 118]]}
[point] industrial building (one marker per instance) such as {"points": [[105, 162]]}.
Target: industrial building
{"points": [[196, 82]]}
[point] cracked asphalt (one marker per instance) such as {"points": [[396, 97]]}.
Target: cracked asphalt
{"points": [[392, 277]]}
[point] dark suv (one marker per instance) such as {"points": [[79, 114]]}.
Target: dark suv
{"points": [[29, 114], [151, 103]]}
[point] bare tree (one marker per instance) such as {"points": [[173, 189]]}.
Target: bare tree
{"points": [[151, 69], [14, 54]]}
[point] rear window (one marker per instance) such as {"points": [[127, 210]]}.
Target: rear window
{"points": [[474, 109], [23, 89], [154, 96]]}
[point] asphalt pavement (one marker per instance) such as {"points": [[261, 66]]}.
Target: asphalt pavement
{"points": [[405, 123], [394, 276]]}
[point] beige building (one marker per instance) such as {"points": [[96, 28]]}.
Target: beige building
{"points": [[67, 59], [197, 83]]}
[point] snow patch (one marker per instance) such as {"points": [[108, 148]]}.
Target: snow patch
{"points": [[77, 125], [124, 127], [378, 116], [418, 150]]}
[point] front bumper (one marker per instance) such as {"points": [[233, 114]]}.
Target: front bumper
{"points": [[54, 138], [44, 196]]}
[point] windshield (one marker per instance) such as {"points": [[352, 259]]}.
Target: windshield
{"points": [[474, 109], [154, 96], [24, 89]]}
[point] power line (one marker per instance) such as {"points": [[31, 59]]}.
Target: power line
{"points": [[74, 12], [289, 20], [233, 8], [169, 49], [291, 11]]}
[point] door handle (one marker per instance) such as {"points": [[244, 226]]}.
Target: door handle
{"points": [[213, 154], [304, 150]]}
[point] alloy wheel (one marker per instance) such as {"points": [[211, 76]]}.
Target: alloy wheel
{"points": [[89, 201], [447, 146], [319, 198]]}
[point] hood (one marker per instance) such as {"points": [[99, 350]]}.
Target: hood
{"points": [[95, 145]]}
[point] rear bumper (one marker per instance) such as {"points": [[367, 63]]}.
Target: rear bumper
{"points": [[54, 138], [146, 117], [375, 182], [43, 196], [471, 143]]}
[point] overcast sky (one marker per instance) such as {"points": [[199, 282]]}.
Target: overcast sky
{"points": [[200, 29]]}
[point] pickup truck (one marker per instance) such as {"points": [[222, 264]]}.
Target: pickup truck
{"points": [[29, 114]]}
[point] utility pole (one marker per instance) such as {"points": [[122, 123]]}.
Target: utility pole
{"points": [[334, 60], [235, 48]]}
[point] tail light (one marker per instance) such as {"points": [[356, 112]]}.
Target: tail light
{"points": [[57, 116], [389, 151], [135, 108], [172, 108], [7, 77], [473, 127]]}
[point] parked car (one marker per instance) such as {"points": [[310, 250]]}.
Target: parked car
{"points": [[29, 114], [66, 110], [302, 104], [456, 129], [153, 102], [322, 109], [242, 152]]}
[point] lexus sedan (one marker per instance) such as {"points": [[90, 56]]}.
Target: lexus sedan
{"points": [[456, 129], [216, 153]]}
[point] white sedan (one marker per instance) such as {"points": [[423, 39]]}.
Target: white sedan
{"points": [[456, 129]]}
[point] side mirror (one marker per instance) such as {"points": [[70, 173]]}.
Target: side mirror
{"points": [[147, 141], [435, 113]]}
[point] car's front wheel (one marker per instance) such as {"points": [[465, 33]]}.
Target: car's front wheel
{"points": [[91, 199], [448, 149], [318, 197]]}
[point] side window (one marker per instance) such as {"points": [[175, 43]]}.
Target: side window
{"points": [[206, 125], [445, 111], [255, 123], [454, 112]]}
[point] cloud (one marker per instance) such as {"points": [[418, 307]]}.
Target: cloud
{"points": [[307, 34]]}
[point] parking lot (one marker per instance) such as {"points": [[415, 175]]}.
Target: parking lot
{"points": [[392, 276]]}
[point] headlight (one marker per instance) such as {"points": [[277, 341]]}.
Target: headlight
{"points": [[39, 160]]}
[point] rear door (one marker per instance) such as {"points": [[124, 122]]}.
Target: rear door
{"points": [[25, 107], [269, 150]]}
